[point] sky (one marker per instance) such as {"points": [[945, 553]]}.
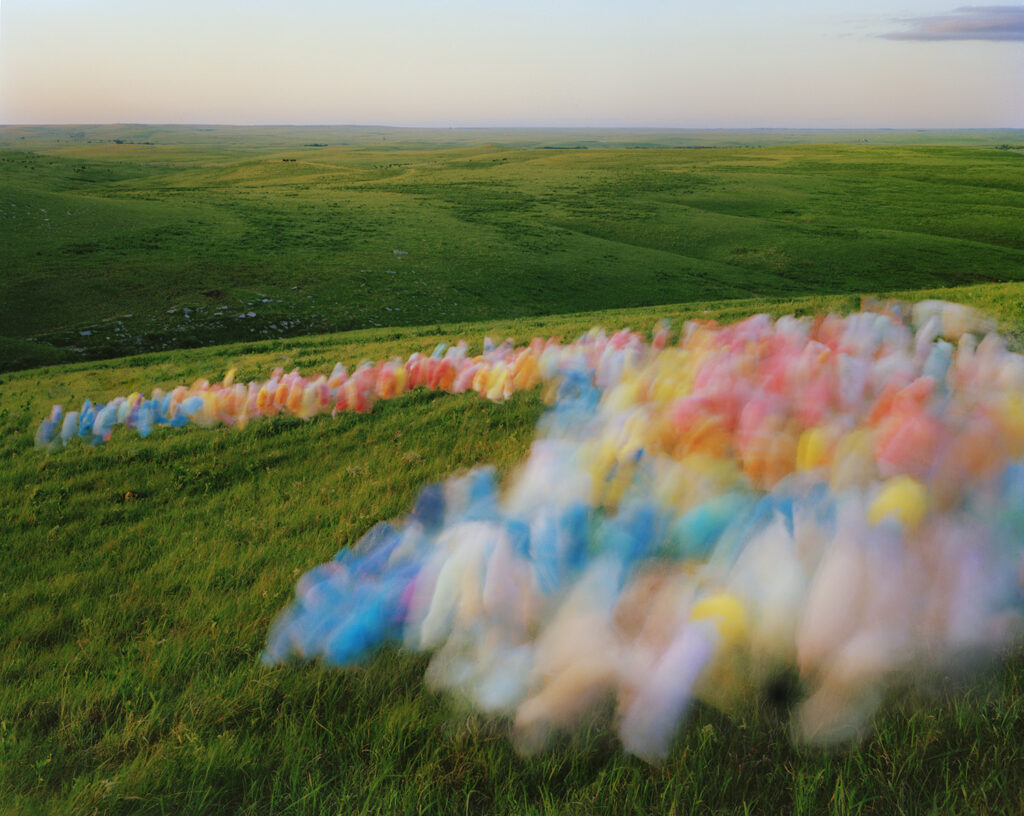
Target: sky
{"points": [[481, 63]]}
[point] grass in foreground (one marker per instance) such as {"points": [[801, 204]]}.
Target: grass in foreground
{"points": [[138, 581]]}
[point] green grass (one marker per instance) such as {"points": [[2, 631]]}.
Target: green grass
{"points": [[139, 579], [183, 237]]}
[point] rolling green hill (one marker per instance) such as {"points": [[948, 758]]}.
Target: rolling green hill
{"points": [[184, 237], [139, 578]]}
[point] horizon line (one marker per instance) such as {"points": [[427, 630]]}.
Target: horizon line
{"points": [[511, 127]]}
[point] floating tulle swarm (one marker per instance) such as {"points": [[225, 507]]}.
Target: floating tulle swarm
{"points": [[839, 498], [495, 374]]}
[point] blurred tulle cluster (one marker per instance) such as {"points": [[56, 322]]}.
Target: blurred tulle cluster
{"points": [[495, 374], [835, 501], [838, 500]]}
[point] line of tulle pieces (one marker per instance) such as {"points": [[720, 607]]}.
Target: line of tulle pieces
{"points": [[837, 502]]}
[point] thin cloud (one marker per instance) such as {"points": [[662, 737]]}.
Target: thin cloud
{"points": [[992, 23]]}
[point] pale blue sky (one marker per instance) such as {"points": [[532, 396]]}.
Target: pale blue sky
{"points": [[731, 63]]}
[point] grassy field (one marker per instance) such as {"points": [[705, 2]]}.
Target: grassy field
{"points": [[139, 580], [123, 239], [247, 139]]}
